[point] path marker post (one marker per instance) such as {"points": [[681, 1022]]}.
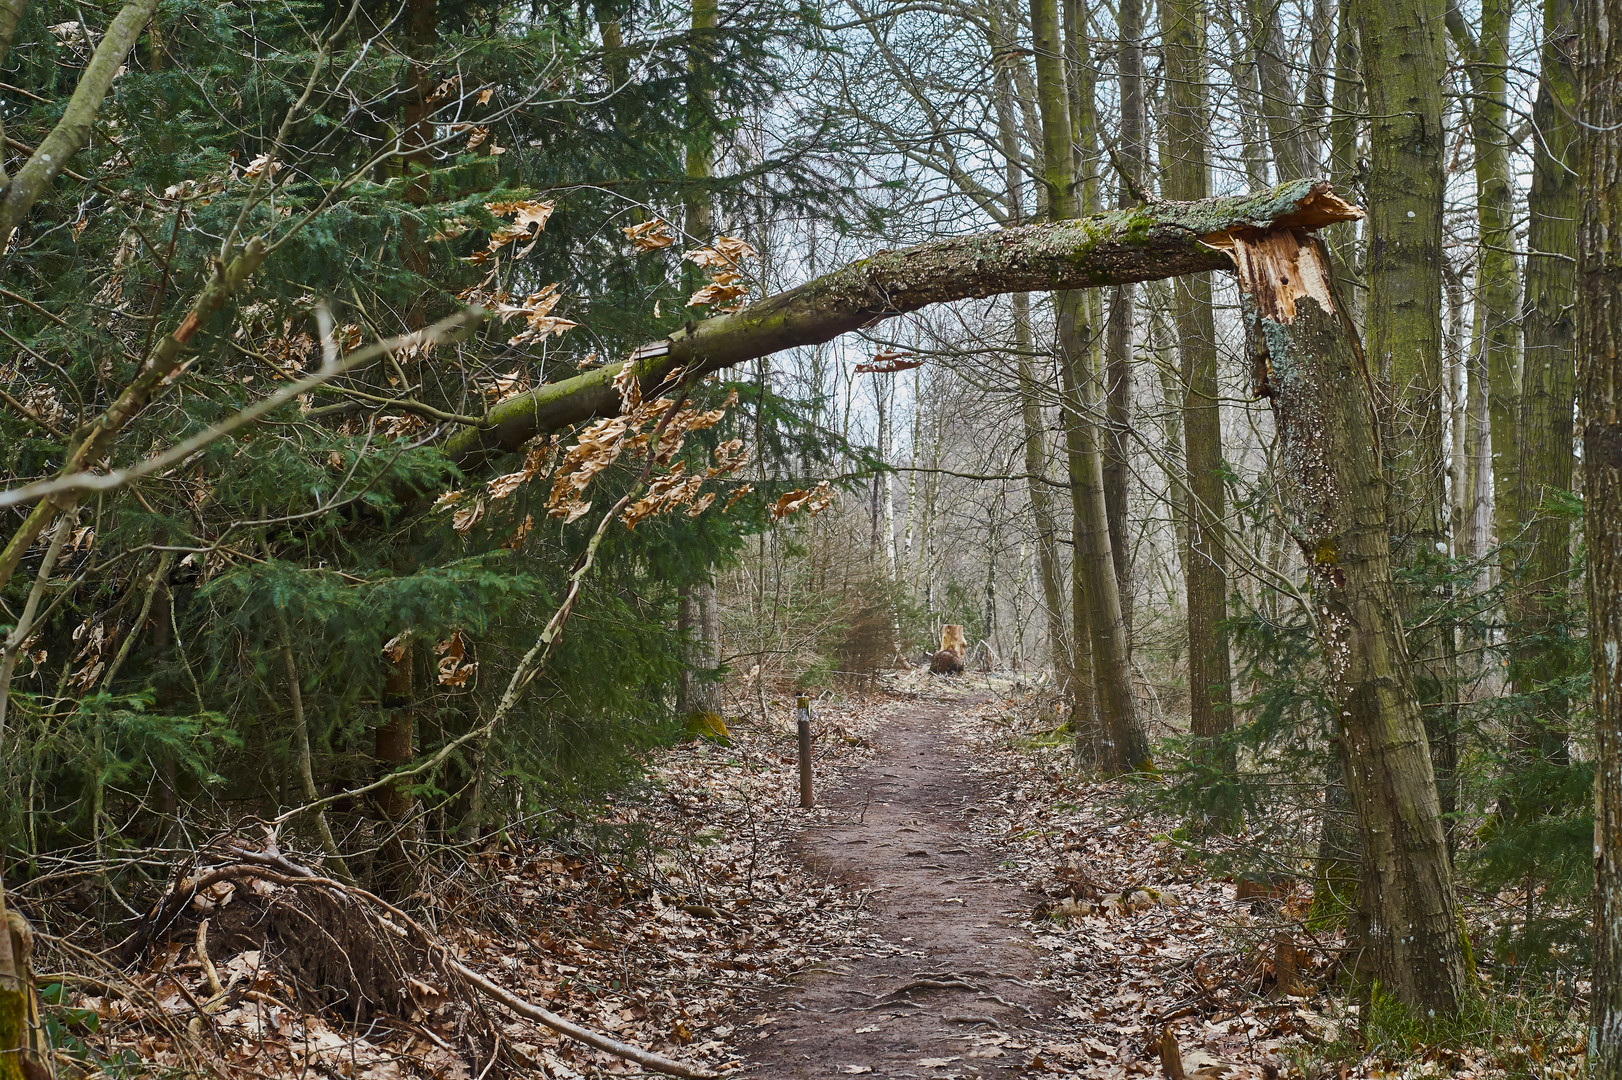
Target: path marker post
{"points": [[802, 715]]}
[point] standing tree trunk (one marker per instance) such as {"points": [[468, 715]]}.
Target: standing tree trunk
{"points": [[1497, 283], [1599, 381], [703, 695], [1132, 161], [1162, 334], [24, 1046], [1285, 132], [1205, 563], [1334, 494], [1126, 747], [1346, 110], [394, 745], [1404, 61], [1036, 463], [1548, 385]]}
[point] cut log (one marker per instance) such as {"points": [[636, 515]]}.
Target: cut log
{"points": [[1310, 364], [1143, 243]]}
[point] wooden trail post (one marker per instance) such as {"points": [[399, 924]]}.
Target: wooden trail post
{"points": [[802, 715]]}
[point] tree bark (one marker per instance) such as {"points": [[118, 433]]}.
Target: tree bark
{"points": [[1205, 562], [1548, 383], [11, 14], [1141, 244], [1333, 488], [1599, 381], [1131, 161], [1278, 97], [1346, 112], [72, 132], [1125, 747], [1497, 282], [1404, 61], [1047, 529]]}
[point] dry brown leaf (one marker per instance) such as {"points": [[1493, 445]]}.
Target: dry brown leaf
{"points": [[650, 235], [737, 493], [812, 502], [395, 648], [467, 517], [516, 540], [454, 667], [629, 386], [726, 252]]}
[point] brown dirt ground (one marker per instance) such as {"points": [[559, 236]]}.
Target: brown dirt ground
{"points": [[949, 988]]}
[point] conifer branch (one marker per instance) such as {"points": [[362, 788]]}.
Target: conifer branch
{"points": [[85, 480]]}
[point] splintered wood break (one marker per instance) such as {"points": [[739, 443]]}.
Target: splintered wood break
{"points": [[1319, 207], [1278, 267]]}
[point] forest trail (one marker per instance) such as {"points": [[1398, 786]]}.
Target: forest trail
{"points": [[949, 989]]}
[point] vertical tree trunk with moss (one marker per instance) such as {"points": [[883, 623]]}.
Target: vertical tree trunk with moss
{"points": [[1049, 570], [1599, 382], [1346, 109], [1487, 57], [1030, 396], [1404, 61], [394, 738], [24, 1049], [1540, 611], [1187, 177], [1125, 744], [1131, 160], [1333, 490], [703, 697]]}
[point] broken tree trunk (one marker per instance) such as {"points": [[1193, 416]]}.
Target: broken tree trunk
{"points": [[1141, 244], [1310, 364]]}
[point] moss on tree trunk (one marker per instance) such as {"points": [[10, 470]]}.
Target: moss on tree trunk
{"points": [[1333, 487]]}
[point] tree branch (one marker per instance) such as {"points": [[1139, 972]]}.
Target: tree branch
{"points": [[72, 132]]}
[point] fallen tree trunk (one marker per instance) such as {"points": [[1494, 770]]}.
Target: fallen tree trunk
{"points": [[1144, 243]]}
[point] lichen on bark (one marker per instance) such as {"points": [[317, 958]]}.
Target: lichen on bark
{"points": [[1160, 240]]}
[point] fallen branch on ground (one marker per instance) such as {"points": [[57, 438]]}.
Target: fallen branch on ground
{"points": [[389, 924]]}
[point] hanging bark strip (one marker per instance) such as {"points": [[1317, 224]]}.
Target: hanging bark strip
{"points": [[1144, 243], [1310, 364]]}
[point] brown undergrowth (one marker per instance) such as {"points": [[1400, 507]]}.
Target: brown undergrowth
{"points": [[656, 926], [1142, 940]]}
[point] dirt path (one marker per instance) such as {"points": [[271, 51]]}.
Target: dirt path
{"points": [[948, 990]]}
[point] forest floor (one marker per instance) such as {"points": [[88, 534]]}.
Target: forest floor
{"points": [[960, 903], [1004, 936]]}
